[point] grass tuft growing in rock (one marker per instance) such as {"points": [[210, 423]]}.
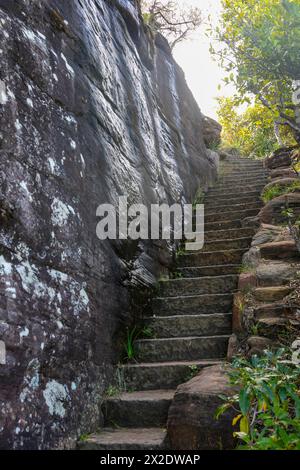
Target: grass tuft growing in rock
{"points": [[279, 190]]}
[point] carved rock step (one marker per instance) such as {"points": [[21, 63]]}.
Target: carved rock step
{"points": [[211, 258], [191, 325], [235, 190], [251, 172], [275, 309], [211, 209], [230, 215], [230, 234], [144, 408], [224, 202], [192, 305], [223, 225], [221, 270], [161, 375], [271, 294], [201, 285], [234, 244], [125, 439], [231, 196], [246, 178], [188, 348]]}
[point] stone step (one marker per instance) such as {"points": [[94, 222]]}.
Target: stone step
{"points": [[271, 294], [275, 309], [190, 325], [230, 215], [146, 409], [192, 305], [234, 244], [223, 225], [221, 270], [248, 172], [177, 349], [210, 206], [125, 439], [162, 375], [230, 197], [211, 209], [200, 285], [210, 258], [241, 182], [230, 234], [234, 190], [247, 179], [227, 203]]}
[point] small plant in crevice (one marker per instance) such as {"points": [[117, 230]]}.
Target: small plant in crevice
{"points": [[293, 225], [268, 404], [84, 437], [192, 372], [129, 344], [180, 252], [112, 391], [147, 332], [176, 275]]}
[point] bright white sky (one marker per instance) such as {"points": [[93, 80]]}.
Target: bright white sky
{"points": [[202, 73]]}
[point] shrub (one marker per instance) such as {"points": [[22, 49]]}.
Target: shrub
{"points": [[268, 405]]}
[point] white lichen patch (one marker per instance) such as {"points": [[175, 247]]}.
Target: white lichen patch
{"points": [[23, 333], [56, 395], [3, 95], [5, 267], [31, 381], [52, 165], [60, 212], [11, 292], [36, 38], [10, 94], [26, 190], [73, 386], [68, 66], [18, 125], [29, 102]]}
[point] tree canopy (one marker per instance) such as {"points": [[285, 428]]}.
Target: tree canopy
{"points": [[174, 20], [259, 48]]}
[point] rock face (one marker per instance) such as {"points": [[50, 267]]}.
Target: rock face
{"points": [[191, 423], [212, 132], [91, 108]]}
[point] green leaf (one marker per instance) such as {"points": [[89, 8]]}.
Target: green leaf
{"points": [[244, 401]]}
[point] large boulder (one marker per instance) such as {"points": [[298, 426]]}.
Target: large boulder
{"points": [[272, 212], [281, 158], [283, 173], [212, 132], [191, 423]]}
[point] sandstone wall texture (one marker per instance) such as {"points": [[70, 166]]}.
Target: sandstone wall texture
{"points": [[92, 107]]}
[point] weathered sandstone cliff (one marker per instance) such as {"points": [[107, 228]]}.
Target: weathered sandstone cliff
{"points": [[92, 107]]}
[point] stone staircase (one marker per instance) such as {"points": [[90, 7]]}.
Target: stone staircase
{"points": [[191, 320]]}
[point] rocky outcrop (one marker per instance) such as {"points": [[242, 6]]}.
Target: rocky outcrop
{"points": [[212, 132], [92, 107], [267, 305], [273, 211], [192, 424]]}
